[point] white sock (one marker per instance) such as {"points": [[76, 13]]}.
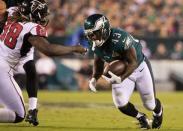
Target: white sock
{"points": [[139, 115], [7, 115], [32, 103]]}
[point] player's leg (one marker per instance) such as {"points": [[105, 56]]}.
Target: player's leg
{"points": [[121, 94], [31, 83], [11, 98], [146, 87], [32, 89]]}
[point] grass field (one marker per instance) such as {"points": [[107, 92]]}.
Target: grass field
{"points": [[86, 111]]}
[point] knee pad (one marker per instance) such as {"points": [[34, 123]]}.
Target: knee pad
{"points": [[18, 118]]}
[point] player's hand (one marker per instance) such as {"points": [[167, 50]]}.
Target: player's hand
{"points": [[92, 84], [114, 79], [2, 7], [80, 49]]}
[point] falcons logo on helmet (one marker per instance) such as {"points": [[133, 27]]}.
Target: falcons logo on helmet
{"points": [[37, 5]]}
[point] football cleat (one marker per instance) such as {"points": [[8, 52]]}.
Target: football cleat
{"points": [[32, 117], [143, 121], [157, 121]]}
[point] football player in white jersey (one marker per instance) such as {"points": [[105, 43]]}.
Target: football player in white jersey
{"points": [[22, 32], [28, 65]]}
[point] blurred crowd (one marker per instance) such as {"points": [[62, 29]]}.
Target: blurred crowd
{"points": [[149, 18], [142, 18], [162, 52]]}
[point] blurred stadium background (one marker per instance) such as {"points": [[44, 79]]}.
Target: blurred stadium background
{"points": [[65, 102], [157, 23]]}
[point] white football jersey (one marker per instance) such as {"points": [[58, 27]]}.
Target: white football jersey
{"points": [[14, 46]]}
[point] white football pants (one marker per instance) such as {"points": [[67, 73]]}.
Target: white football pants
{"points": [[142, 79], [10, 92]]}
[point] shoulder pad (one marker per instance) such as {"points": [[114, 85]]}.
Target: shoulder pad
{"points": [[38, 30]]}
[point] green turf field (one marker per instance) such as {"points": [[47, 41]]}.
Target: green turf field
{"points": [[76, 111]]}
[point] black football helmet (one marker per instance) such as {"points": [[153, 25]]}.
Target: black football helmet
{"points": [[97, 29], [35, 11]]}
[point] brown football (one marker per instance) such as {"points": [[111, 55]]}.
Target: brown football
{"points": [[117, 67]]}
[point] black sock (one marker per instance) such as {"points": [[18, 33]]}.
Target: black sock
{"points": [[129, 110], [31, 78], [157, 109]]}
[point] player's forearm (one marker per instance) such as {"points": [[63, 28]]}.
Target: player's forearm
{"points": [[52, 49], [97, 72], [129, 70], [58, 50], [131, 58], [98, 68], [96, 75]]}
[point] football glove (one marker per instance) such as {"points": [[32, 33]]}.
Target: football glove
{"points": [[92, 84], [114, 78]]}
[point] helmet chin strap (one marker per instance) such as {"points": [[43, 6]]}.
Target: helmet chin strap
{"points": [[95, 44]]}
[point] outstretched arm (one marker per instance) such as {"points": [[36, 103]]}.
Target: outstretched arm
{"points": [[52, 49]]}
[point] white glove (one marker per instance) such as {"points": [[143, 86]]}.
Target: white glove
{"points": [[114, 78], [92, 84]]}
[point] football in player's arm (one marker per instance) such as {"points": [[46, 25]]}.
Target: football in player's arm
{"points": [[22, 31], [111, 44]]}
